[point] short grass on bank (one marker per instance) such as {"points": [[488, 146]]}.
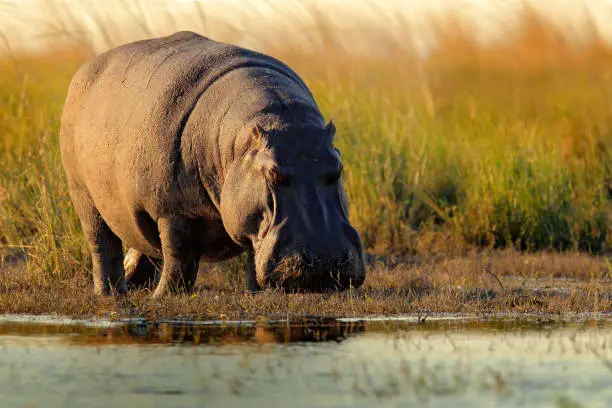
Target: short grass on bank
{"points": [[477, 284]]}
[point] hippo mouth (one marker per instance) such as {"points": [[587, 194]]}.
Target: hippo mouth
{"points": [[293, 275]]}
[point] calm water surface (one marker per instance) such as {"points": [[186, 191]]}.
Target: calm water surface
{"points": [[444, 363]]}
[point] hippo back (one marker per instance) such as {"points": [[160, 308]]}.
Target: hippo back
{"points": [[129, 122]]}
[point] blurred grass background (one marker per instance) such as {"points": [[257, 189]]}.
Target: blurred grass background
{"points": [[472, 148]]}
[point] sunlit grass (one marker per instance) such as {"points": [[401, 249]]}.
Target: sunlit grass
{"points": [[36, 214], [473, 148], [504, 160]]}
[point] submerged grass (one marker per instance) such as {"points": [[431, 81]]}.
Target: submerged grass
{"points": [[472, 149]]}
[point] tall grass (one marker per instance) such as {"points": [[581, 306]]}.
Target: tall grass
{"points": [[490, 157], [36, 215], [506, 147]]}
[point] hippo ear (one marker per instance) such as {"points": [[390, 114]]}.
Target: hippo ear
{"points": [[331, 128]]}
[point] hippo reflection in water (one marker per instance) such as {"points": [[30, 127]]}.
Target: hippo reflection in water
{"points": [[187, 149]]}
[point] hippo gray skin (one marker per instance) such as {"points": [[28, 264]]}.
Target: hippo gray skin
{"points": [[187, 149]]}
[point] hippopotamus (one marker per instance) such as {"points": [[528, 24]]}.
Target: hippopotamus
{"points": [[183, 149]]}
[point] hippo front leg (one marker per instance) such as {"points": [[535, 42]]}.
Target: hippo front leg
{"points": [[251, 275], [180, 258]]}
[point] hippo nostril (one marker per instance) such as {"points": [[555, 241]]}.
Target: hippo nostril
{"points": [[345, 258], [307, 258]]}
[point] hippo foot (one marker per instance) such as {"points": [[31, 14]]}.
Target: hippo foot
{"points": [[141, 271]]}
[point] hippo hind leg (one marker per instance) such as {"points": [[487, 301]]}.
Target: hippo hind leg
{"points": [[141, 271], [106, 247]]}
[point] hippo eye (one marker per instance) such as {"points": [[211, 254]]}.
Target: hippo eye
{"points": [[332, 178]]}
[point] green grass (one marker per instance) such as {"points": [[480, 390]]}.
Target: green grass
{"points": [[487, 158], [467, 156]]}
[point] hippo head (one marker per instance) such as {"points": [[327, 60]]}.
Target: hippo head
{"points": [[284, 197]]}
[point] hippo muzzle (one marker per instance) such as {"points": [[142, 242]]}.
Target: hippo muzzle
{"points": [[324, 263]]}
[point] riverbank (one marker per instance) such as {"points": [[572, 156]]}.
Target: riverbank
{"points": [[501, 282]]}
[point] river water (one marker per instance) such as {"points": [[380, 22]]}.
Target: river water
{"points": [[436, 363]]}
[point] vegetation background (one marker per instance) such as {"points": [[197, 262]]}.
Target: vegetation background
{"points": [[457, 147]]}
